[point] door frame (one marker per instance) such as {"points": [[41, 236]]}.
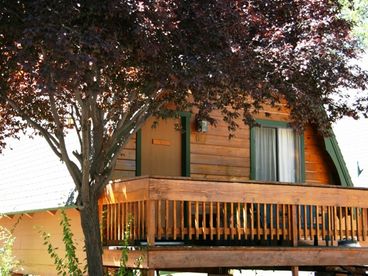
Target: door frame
{"points": [[185, 146]]}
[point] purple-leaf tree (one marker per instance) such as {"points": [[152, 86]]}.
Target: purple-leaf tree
{"points": [[107, 66]]}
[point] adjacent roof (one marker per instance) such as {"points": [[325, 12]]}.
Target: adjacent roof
{"points": [[32, 178]]}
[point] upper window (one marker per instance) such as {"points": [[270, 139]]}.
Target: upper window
{"points": [[277, 152]]}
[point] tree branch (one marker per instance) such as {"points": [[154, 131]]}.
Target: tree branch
{"points": [[52, 141], [71, 166]]}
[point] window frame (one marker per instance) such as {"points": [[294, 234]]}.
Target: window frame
{"points": [[275, 124]]}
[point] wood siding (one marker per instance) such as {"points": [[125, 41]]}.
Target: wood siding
{"points": [[29, 248], [214, 156]]}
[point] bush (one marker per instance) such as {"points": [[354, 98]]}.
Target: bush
{"points": [[7, 261]]}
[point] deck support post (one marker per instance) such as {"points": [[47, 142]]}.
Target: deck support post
{"points": [[295, 270], [151, 223]]}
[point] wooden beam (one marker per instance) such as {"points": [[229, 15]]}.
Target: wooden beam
{"points": [[29, 215], [52, 212], [112, 258], [233, 257]]}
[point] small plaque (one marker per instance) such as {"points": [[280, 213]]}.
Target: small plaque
{"points": [[161, 142]]}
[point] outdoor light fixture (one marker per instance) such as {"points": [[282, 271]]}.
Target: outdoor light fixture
{"points": [[202, 125]]}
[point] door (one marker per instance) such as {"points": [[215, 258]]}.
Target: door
{"points": [[162, 148]]}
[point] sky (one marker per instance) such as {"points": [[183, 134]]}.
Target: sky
{"points": [[352, 136]]}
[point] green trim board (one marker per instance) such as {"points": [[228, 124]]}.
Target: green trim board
{"points": [[138, 153], [185, 146], [185, 143], [333, 149], [274, 124]]}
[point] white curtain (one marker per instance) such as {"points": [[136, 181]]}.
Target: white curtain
{"points": [[265, 157], [286, 155]]}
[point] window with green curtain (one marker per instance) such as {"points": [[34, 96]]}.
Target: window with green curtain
{"points": [[276, 153]]}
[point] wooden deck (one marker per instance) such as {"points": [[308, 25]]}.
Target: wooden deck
{"points": [[208, 218]]}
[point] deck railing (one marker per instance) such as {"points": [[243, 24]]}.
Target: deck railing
{"points": [[196, 211]]}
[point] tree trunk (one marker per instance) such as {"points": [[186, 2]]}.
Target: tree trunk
{"points": [[91, 230]]}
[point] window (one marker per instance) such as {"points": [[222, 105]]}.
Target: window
{"points": [[276, 153]]}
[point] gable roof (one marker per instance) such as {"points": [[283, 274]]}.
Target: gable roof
{"points": [[32, 178]]}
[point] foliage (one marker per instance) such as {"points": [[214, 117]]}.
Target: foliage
{"points": [[357, 12], [69, 265], [7, 261], [123, 271], [104, 67]]}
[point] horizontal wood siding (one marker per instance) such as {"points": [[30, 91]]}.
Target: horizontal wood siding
{"points": [[126, 165], [318, 165], [214, 156]]}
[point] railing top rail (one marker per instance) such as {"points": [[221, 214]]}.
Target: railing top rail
{"points": [[191, 189]]}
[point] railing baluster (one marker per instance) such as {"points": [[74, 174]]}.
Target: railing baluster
{"points": [[311, 218], [167, 220], [245, 221], [352, 223], [277, 221], [196, 222], [182, 219], [225, 221], [204, 226], [218, 213], [251, 221], [159, 223], [143, 220], [293, 219], [323, 223], [238, 222], [118, 222], [271, 221], [284, 221], [232, 234], [346, 223], [174, 219], [190, 219], [258, 221], [305, 222], [265, 222], [211, 220], [364, 224], [340, 223]]}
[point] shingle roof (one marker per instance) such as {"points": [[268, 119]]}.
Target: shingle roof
{"points": [[32, 178]]}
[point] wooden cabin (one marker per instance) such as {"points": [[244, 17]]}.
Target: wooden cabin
{"points": [[195, 200], [267, 198]]}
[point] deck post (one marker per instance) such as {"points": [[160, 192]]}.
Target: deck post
{"points": [[294, 225], [151, 223], [295, 270]]}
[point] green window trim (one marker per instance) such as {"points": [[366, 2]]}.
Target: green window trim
{"points": [[274, 124], [185, 146]]}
